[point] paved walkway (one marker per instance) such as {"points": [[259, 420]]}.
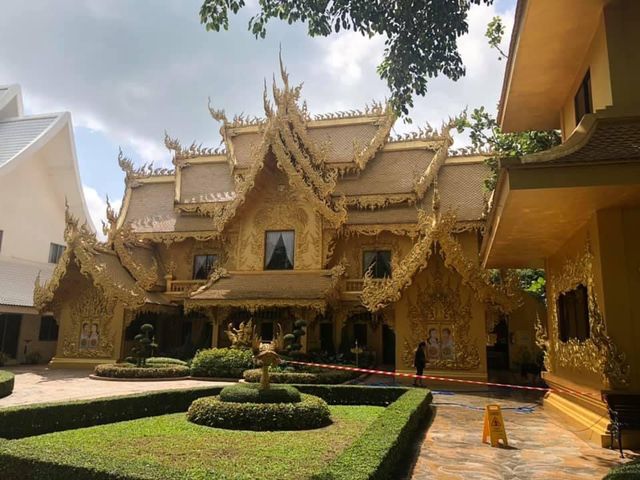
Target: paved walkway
{"points": [[41, 384], [540, 447]]}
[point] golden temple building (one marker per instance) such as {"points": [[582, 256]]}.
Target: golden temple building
{"points": [[329, 219], [575, 209]]}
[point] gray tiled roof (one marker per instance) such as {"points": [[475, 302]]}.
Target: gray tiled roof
{"points": [[17, 278], [18, 133]]}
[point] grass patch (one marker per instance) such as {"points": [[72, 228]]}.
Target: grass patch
{"points": [[169, 447]]}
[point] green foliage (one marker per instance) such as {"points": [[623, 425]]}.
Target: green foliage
{"points": [[221, 362], [145, 345], [532, 280], [485, 134], [127, 370], [33, 358], [354, 394], [165, 361], [252, 393], [169, 447], [627, 471], [309, 412], [494, 34], [7, 380], [420, 37], [386, 444], [36, 419], [308, 377]]}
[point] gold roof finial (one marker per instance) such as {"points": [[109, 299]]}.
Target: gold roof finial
{"points": [[217, 114]]}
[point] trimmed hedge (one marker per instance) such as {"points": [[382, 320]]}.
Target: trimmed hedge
{"points": [[386, 444], [165, 361], [251, 393], [221, 362], [626, 471], [320, 378], [127, 370], [7, 380], [28, 420], [354, 394], [309, 412], [36, 419]]}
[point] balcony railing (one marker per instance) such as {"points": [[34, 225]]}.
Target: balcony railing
{"points": [[180, 287], [356, 284]]}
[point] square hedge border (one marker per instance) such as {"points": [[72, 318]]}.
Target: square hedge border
{"points": [[7, 380], [378, 454]]}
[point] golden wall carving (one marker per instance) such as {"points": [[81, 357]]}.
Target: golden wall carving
{"points": [[89, 307], [598, 354], [442, 304]]}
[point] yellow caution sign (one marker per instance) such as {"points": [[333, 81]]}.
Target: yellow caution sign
{"points": [[494, 426]]}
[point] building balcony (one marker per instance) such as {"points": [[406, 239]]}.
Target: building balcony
{"points": [[352, 288], [182, 287]]}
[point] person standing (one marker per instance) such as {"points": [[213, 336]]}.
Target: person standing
{"points": [[419, 361]]}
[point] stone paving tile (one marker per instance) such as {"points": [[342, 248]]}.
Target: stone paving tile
{"points": [[39, 384], [540, 447]]}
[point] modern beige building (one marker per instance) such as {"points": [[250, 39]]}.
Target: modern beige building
{"points": [[574, 65], [38, 170], [326, 218]]}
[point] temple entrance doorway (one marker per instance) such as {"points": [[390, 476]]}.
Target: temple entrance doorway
{"points": [[498, 352], [388, 346], [9, 333]]}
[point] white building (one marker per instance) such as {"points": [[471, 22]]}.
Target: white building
{"points": [[38, 170]]}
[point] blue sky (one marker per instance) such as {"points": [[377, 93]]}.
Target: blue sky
{"points": [[128, 70]]}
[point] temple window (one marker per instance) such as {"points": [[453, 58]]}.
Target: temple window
{"points": [[266, 331], [378, 262], [360, 334], [0, 240], [573, 314], [203, 265], [48, 329], [55, 252], [582, 101], [279, 249]]}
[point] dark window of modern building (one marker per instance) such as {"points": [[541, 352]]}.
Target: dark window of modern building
{"points": [[55, 252], [278, 250], [573, 314], [582, 101], [48, 329], [203, 265], [378, 262]]}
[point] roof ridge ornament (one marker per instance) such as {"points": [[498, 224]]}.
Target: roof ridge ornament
{"points": [[192, 151], [145, 171]]}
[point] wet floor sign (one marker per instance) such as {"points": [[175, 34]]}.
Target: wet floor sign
{"points": [[494, 426]]}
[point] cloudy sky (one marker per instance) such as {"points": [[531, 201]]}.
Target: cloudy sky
{"points": [[127, 70]]}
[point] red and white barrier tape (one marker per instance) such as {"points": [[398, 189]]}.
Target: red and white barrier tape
{"points": [[432, 377]]}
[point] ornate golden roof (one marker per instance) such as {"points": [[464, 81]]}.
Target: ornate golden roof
{"points": [[267, 289]]}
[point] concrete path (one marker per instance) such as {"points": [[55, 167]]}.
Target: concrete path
{"points": [[540, 446], [39, 384]]}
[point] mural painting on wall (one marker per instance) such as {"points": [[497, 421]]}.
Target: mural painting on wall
{"points": [[90, 336], [441, 317]]}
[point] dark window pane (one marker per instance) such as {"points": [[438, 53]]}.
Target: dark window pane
{"points": [[360, 334], [573, 314], [48, 329], [278, 250], [582, 101], [203, 265], [55, 252], [378, 262]]}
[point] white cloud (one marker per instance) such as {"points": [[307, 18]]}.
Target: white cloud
{"points": [[97, 208], [349, 54]]}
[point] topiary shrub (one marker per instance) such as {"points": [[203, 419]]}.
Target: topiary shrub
{"points": [[127, 370], [318, 377], [221, 362], [309, 412], [293, 340], [252, 393], [6, 383], [153, 361]]}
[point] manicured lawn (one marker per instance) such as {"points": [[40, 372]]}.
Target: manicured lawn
{"points": [[169, 447]]}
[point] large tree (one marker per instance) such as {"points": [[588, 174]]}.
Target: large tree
{"points": [[420, 35]]}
